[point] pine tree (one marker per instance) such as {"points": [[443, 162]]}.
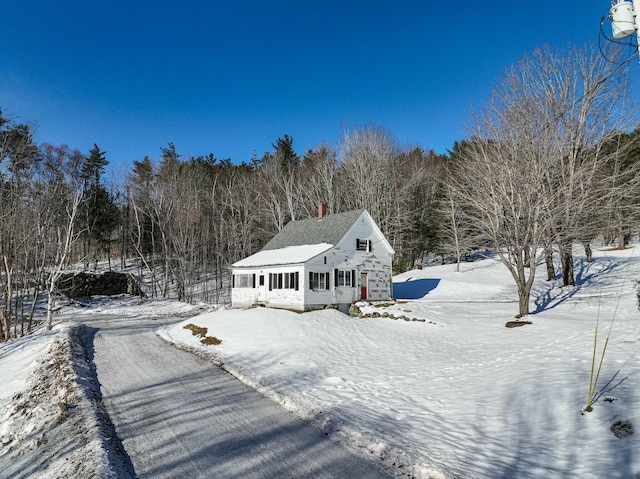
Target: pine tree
{"points": [[94, 165], [101, 215]]}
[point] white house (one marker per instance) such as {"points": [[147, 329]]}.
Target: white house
{"points": [[332, 260]]}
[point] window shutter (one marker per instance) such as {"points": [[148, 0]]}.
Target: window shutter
{"points": [[270, 281], [326, 277], [233, 280], [310, 280], [369, 245], [335, 278], [253, 281], [297, 280], [353, 278]]}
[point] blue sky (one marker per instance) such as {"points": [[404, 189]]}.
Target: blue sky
{"points": [[229, 78]]}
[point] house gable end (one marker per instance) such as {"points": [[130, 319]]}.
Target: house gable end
{"points": [[365, 228]]}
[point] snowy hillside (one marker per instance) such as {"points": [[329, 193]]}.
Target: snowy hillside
{"points": [[443, 390], [458, 394]]}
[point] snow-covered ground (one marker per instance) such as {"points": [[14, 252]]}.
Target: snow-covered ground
{"points": [[52, 422], [457, 394]]}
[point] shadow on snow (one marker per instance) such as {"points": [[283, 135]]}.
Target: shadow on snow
{"points": [[586, 274], [414, 288]]}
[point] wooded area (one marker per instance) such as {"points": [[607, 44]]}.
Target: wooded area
{"points": [[552, 160]]}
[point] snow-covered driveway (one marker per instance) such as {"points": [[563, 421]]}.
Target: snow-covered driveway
{"points": [[179, 416]]}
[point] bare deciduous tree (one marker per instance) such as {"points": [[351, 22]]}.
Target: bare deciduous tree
{"points": [[531, 173], [500, 189], [65, 236], [319, 180]]}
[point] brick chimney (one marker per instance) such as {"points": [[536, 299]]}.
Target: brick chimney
{"points": [[322, 210]]}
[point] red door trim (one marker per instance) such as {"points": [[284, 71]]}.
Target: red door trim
{"points": [[363, 285]]}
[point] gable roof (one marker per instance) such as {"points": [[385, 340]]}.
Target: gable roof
{"points": [[330, 229], [302, 240], [288, 255]]}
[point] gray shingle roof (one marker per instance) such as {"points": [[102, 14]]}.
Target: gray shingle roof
{"points": [[330, 229]]}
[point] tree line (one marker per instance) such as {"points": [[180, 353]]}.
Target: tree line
{"points": [[551, 160], [190, 218]]}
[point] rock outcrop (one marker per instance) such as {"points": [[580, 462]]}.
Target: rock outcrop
{"points": [[109, 283]]}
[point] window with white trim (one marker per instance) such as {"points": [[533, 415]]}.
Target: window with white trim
{"points": [[318, 281], [345, 278], [244, 280], [283, 281], [363, 244]]}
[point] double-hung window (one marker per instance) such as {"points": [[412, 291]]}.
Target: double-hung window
{"points": [[319, 281], [363, 245], [345, 278], [283, 281]]}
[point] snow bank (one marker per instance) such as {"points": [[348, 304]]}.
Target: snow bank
{"points": [[52, 422]]}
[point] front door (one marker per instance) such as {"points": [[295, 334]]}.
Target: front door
{"points": [[262, 292], [363, 285]]}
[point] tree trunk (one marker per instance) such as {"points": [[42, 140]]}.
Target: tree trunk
{"points": [[6, 328], [524, 281], [548, 259], [50, 305], [566, 259], [454, 229], [9, 293], [66, 239], [588, 252], [523, 300], [34, 302]]}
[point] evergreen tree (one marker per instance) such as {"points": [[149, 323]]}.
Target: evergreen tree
{"points": [[283, 150], [104, 216], [94, 165], [100, 214]]}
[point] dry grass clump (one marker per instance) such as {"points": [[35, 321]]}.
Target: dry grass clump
{"points": [[202, 332], [208, 340], [196, 330]]}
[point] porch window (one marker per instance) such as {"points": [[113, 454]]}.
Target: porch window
{"points": [[319, 281], [244, 281]]}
